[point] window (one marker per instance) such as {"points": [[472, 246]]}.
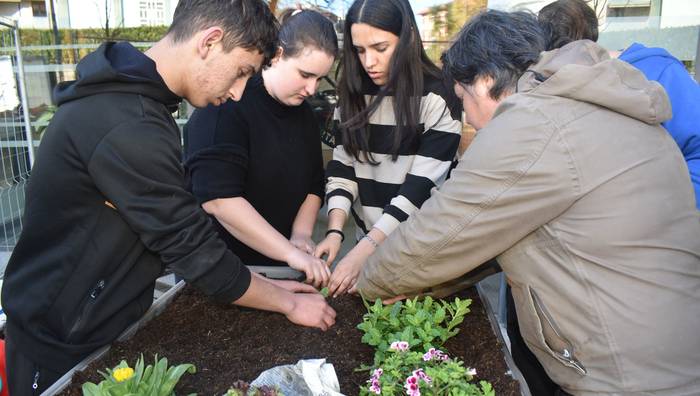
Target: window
{"points": [[620, 12], [39, 9], [152, 12]]}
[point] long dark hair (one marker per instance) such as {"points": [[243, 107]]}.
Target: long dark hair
{"points": [[407, 67]]}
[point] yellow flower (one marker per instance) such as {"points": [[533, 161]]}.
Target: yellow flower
{"points": [[123, 374]]}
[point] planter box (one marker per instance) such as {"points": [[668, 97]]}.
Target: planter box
{"points": [[228, 343]]}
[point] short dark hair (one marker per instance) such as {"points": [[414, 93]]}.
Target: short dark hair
{"points": [[306, 28], [496, 44], [564, 21], [247, 24]]}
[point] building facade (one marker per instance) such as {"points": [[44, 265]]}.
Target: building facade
{"points": [[80, 14]]}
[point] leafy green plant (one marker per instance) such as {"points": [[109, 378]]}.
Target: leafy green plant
{"points": [[152, 380], [432, 373], [324, 292], [423, 324], [42, 122]]}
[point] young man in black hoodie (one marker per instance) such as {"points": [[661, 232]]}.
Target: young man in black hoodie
{"points": [[107, 208]]}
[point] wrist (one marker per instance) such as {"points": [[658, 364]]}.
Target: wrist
{"points": [[288, 302], [301, 234], [369, 240], [336, 232], [290, 251]]}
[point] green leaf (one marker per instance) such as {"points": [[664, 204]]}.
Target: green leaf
{"points": [[324, 292], [172, 377], [487, 389], [90, 389], [407, 334], [439, 315]]}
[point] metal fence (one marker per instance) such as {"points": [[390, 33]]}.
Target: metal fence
{"points": [[16, 144]]}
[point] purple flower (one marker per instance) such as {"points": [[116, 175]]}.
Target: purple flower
{"points": [[422, 375], [435, 354], [400, 346], [412, 389]]}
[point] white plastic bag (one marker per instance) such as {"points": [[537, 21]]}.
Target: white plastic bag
{"points": [[313, 377]]}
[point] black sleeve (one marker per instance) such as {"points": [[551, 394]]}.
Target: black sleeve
{"points": [[318, 180], [217, 160], [137, 167]]}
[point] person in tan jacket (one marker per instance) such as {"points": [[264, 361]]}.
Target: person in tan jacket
{"points": [[584, 199]]}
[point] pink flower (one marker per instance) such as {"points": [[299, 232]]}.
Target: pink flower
{"points": [[412, 380], [422, 375], [435, 354], [412, 389], [375, 385], [400, 346]]}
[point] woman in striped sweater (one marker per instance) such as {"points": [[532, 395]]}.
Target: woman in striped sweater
{"points": [[397, 129]]}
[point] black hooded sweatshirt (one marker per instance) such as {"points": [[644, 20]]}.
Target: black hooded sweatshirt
{"points": [[106, 210]]}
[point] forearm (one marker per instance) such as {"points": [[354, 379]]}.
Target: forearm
{"points": [[306, 216], [263, 295], [241, 219], [336, 219]]}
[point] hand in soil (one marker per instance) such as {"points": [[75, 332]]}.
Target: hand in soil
{"points": [[345, 274], [316, 270], [311, 310], [329, 247]]}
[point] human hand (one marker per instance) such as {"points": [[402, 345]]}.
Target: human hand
{"points": [[311, 310], [303, 243], [330, 247], [346, 272], [316, 270], [392, 300]]}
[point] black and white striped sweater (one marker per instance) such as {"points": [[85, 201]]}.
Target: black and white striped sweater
{"points": [[384, 195]]}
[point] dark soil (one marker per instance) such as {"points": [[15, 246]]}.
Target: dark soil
{"points": [[227, 343]]}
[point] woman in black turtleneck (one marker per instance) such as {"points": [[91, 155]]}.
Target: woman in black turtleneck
{"points": [[255, 165]]}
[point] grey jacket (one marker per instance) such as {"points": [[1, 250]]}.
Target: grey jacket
{"points": [[587, 204]]}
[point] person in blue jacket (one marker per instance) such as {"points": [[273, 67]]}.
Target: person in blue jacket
{"points": [[683, 92], [565, 21]]}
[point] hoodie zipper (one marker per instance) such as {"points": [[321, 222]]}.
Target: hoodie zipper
{"points": [[35, 385], [94, 293]]}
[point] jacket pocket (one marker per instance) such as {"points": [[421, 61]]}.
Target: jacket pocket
{"points": [[552, 338], [84, 313]]}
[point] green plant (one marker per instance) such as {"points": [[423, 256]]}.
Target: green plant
{"points": [[42, 122], [152, 380], [423, 324], [324, 292], [431, 373]]}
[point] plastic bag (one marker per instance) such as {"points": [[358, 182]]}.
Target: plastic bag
{"points": [[313, 377]]}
